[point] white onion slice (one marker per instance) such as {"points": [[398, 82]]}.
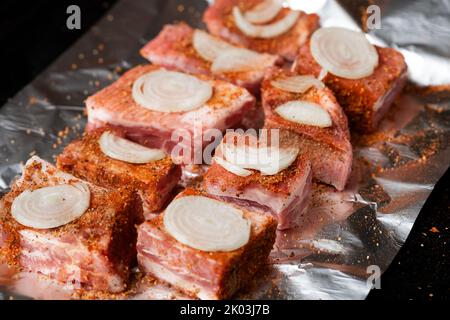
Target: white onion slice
{"points": [[226, 57], [267, 160], [344, 53], [127, 151], [206, 224], [232, 168], [264, 11], [265, 31], [323, 73], [51, 207], [297, 84], [280, 161], [305, 112], [171, 91], [240, 60], [208, 46]]}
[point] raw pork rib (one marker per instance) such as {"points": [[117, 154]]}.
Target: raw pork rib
{"points": [[220, 22], [328, 149], [154, 181], [286, 194], [96, 251], [116, 107], [206, 275], [366, 100], [173, 49]]}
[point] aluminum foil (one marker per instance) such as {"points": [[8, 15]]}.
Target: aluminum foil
{"points": [[347, 237]]}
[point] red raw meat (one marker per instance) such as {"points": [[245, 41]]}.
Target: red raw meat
{"points": [[205, 275], [366, 100], [94, 252], [286, 194], [328, 149], [154, 181], [173, 49], [115, 106]]}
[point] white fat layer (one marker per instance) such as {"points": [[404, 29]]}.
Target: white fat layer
{"points": [[115, 282], [168, 276]]}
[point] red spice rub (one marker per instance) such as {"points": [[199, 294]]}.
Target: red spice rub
{"points": [[206, 275], [328, 149], [95, 251], [277, 183], [285, 194], [366, 100], [154, 181]]}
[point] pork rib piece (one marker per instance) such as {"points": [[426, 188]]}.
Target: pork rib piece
{"points": [[154, 181], [286, 194], [220, 22], [205, 275], [329, 149], [173, 49], [366, 100], [115, 106], [94, 252]]}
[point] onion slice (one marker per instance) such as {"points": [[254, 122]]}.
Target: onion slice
{"points": [[228, 58], [171, 91], [305, 112], [51, 207], [279, 160], [267, 160], [344, 53], [206, 224], [240, 60], [127, 151], [323, 73], [232, 168], [265, 31], [264, 11], [208, 46], [297, 84]]}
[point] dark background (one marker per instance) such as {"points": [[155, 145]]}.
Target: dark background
{"points": [[34, 33]]}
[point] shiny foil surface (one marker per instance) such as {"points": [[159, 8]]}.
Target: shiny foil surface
{"points": [[346, 237]]}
